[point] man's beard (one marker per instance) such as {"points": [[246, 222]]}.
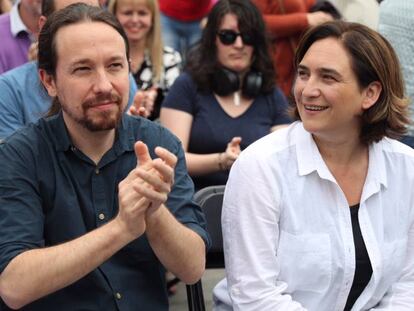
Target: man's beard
{"points": [[100, 120]]}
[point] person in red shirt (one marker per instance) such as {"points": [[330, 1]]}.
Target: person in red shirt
{"points": [[181, 22], [286, 20]]}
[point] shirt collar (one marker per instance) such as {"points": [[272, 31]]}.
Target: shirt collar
{"points": [[310, 160], [308, 156], [16, 23], [124, 140], [377, 171], [59, 133], [125, 135]]}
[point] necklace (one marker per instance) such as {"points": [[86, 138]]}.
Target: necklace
{"points": [[236, 98]]}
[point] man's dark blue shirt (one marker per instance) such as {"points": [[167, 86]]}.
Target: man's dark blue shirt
{"points": [[51, 193]]}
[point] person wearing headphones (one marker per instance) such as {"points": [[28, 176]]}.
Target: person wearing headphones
{"points": [[227, 97]]}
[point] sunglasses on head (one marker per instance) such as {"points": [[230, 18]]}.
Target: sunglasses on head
{"points": [[228, 37]]}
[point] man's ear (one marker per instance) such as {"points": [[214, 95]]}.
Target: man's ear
{"points": [[41, 22], [372, 93], [48, 82]]}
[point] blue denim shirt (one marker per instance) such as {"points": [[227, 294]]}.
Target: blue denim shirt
{"points": [[50, 193]]}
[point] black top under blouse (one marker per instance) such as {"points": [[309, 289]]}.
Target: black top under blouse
{"points": [[363, 268]]}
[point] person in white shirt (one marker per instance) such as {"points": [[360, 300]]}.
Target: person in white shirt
{"points": [[319, 216], [359, 11]]}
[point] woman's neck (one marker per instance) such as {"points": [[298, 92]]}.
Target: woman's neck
{"points": [[341, 151], [137, 54], [348, 161]]}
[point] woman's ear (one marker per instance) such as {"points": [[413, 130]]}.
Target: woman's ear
{"points": [[372, 93]]}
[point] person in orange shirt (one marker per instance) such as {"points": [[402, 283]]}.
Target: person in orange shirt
{"points": [[286, 20]]}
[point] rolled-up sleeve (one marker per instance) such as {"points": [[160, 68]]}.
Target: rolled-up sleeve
{"points": [[22, 219]]}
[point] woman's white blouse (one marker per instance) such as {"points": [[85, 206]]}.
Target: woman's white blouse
{"points": [[288, 235]]}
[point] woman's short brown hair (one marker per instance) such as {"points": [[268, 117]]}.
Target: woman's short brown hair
{"points": [[372, 59]]}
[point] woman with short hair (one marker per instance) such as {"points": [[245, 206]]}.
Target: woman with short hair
{"points": [[319, 216]]}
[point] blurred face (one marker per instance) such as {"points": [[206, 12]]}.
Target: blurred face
{"points": [[236, 55], [61, 4], [329, 99], [34, 7], [91, 80], [135, 17]]}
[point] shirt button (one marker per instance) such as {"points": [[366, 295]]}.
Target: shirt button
{"points": [[101, 216], [118, 296], [97, 171]]}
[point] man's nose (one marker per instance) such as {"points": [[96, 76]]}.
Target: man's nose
{"points": [[102, 83]]}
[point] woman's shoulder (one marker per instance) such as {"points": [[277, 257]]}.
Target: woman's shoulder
{"points": [[182, 94], [277, 106], [185, 80], [276, 94], [276, 141], [394, 147]]}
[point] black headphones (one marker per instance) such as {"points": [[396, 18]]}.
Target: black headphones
{"points": [[226, 82]]}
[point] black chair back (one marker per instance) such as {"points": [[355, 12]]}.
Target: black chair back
{"points": [[210, 200]]}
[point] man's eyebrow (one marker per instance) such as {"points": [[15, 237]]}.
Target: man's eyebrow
{"points": [[87, 61], [82, 61], [117, 58]]}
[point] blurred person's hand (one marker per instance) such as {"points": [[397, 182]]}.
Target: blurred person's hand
{"points": [[227, 158], [319, 17], [5, 6], [203, 23], [143, 103], [33, 51], [135, 110]]}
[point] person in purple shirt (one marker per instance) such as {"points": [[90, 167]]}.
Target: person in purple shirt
{"points": [[18, 29]]}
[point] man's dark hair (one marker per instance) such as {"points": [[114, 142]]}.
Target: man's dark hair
{"points": [[48, 7], [202, 59], [72, 14]]}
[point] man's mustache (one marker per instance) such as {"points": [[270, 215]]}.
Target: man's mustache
{"points": [[102, 99]]}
